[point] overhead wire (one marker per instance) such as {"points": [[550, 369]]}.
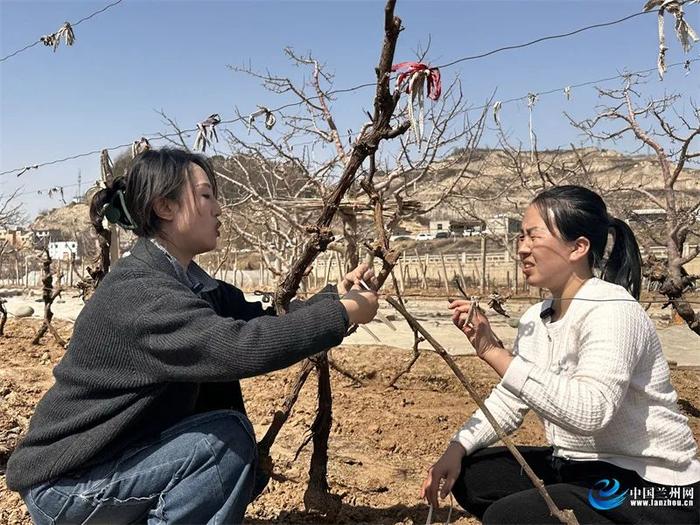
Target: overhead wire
{"points": [[544, 38], [29, 46], [160, 136]]}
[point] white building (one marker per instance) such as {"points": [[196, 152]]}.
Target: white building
{"points": [[63, 249]]}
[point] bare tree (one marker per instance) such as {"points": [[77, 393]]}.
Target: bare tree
{"points": [[11, 211], [312, 168], [658, 125], [11, 214], [107, 239], [49, 294]]}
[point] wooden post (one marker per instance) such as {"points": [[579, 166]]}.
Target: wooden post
{"points": [[460, 270], [516, 268], [329, 261], [405, 278], [340, 266], [426, 266], [482, 284], [262, 267], [401, 281], [444, 271], [424, 283]]}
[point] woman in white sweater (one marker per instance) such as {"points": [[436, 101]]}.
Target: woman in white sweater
{"points": [[589, 363]]}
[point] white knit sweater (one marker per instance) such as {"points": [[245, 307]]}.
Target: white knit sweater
{"points": [[599, 381]]}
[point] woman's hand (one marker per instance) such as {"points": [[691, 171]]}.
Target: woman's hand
{"points": [[352, 278], [446, 468], [360, 304], [478, 331]]}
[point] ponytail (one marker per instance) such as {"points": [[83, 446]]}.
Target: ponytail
{"points": [[624, 264]]}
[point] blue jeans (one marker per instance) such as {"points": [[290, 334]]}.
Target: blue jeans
{"points": [[202, 470]]}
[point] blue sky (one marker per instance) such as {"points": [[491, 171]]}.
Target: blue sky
{"points": [[141, 56]]}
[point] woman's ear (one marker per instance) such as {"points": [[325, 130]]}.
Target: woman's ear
{"points": [[581, 247], [165, 209]]}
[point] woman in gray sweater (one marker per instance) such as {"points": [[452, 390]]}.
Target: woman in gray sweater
{"points": [[146, 420]]}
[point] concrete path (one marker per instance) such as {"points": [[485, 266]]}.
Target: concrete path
{"points": [[679, 343]]}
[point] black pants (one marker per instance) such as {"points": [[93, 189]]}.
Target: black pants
{"points": [[492, 487]]}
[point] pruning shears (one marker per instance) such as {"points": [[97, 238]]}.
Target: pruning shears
{"points": [[379, 316]]}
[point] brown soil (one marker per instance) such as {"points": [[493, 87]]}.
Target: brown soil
{"points": [[382, 442]]}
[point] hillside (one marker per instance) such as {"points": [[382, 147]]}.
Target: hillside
{"points": [[75, 217], [505, 181], [501, 181]]}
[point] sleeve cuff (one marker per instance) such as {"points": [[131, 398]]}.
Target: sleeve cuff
{"points": [[467, 444], [516, 375], [345, 315]]}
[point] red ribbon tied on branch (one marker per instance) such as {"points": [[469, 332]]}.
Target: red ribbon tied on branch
{"points": [[418, 74], [408, 69]]}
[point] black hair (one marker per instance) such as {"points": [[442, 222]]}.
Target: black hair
{"points": [[129, 201], [576, 212]]}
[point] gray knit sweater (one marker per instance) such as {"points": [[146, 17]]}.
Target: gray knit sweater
{"points": [[147, 352]]}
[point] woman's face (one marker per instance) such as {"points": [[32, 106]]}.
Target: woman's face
{"points": [[196, 223], [544, 257]]}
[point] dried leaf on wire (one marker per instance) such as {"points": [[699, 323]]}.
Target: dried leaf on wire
{"points": [[139, 146], [270, 119], [27, 168], [661, 60], [685, 33], [497, 111], [206, 132], [65, 32], [416, 86], [415, 75], [531, 101], [59, 190], [106, 167]]}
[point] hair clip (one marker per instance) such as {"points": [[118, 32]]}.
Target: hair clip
{"points": [[117, 213]]}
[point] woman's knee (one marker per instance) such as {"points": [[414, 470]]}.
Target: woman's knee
{"points": [[230, 432], [230, 453]]}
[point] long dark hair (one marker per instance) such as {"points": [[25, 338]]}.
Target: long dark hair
{"points": [[129, 200], [576, 212]]}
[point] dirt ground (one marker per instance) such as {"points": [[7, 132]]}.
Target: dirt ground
{"points": [[382, 441]]}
